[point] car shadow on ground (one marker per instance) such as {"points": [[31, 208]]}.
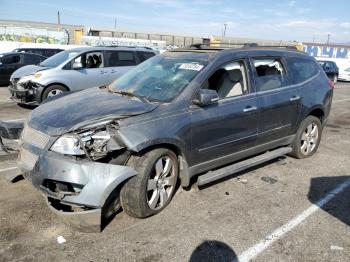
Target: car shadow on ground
{"points": [[29, 107], [339, 205], [213, 251]]}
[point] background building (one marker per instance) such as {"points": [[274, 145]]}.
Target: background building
{"points": [[169, 38], [38, 32]]}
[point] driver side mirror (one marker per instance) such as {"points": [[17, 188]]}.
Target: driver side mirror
{"points": [[77, 65], [206, 97]]}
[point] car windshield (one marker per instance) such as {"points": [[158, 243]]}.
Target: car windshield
{"points": [[59, 58], [161, 78]]}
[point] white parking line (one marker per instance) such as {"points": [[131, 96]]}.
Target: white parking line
{"points": [[280, 232], [13, 120], [7, 169], [342, 100]]}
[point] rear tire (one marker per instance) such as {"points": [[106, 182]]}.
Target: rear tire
{"points": [[307, 138], [150, 191], [53, 91]]}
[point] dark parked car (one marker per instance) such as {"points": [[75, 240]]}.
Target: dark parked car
{"points": [[179, 115], [331, 69], [47, 52], [10, 62]]}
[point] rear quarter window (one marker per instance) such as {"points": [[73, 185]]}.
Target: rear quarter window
{"points": [[143, 56], [302, 69]]}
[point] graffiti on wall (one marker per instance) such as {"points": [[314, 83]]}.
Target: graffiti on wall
{"points": [[31, 35], [111, 41], [327, 51]]}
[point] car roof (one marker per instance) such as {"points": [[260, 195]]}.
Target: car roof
{"points": [[251, 50], [37, 48], [22, 53], [103, 48], [328, 61]]}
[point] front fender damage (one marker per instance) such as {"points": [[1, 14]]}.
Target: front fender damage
{"points": [[76, 190]]}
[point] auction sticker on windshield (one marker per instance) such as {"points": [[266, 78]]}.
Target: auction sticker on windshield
{"points": [[188, 66]]}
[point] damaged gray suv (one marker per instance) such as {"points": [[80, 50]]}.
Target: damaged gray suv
{"points": [[187, 113]]}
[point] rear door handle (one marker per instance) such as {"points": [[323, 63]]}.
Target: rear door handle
{"points": [[250, 108], [103, 72], [294, 98]]}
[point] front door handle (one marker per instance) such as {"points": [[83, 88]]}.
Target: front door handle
{"points": [[250, 108], [103, 72], [294, 98]]}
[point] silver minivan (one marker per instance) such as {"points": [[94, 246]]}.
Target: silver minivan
{"points": [[73, 70]]}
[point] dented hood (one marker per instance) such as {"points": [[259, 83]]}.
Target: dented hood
{"points": [[27, 70], [91, 105]]}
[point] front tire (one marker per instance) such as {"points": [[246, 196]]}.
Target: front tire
{"points": [[52, 91], [307, 138], [152, 189]]}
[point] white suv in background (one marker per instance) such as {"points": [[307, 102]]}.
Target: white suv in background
{"points": [[344, 74], [74, 70]]}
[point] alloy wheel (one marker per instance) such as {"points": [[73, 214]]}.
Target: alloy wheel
{"points": [[54, 92], [161, 183], [309, 139]]}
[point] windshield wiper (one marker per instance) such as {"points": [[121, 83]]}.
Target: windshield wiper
{"points": [[127, 93]]}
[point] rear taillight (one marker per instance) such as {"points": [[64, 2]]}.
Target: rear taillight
{"points": [[331, 84]]}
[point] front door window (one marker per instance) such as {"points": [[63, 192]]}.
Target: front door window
{"points": [[229, 80]]}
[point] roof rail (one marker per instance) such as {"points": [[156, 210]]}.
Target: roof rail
{"points": [[223, 46], [125, 46]]}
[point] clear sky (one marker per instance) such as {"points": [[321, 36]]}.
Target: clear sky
{"points": [[301, 20]]}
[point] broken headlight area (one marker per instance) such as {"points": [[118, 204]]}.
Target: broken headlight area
{"points": [[95, 143], [25, 84]]}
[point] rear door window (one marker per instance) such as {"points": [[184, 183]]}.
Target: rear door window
{"points": [[11, 59], [302, 69], [269, 73], [120, 58]]}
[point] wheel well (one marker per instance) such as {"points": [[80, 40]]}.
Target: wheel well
{"points": [[183, 172], [171, 147], [317, 113]]}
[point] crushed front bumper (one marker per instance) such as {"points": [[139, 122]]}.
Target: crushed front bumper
{"points": [[20, 95], [76, 190]]}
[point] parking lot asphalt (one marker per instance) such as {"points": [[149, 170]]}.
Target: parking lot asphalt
{"points": [[284, 210]]}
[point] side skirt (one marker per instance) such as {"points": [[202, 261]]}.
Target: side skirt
{"points": [[242, 165], [224, 160]]}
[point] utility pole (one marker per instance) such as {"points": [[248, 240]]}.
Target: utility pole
{"points": [[224, 33], [58, 20], [328, 38], [115, 23]]}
